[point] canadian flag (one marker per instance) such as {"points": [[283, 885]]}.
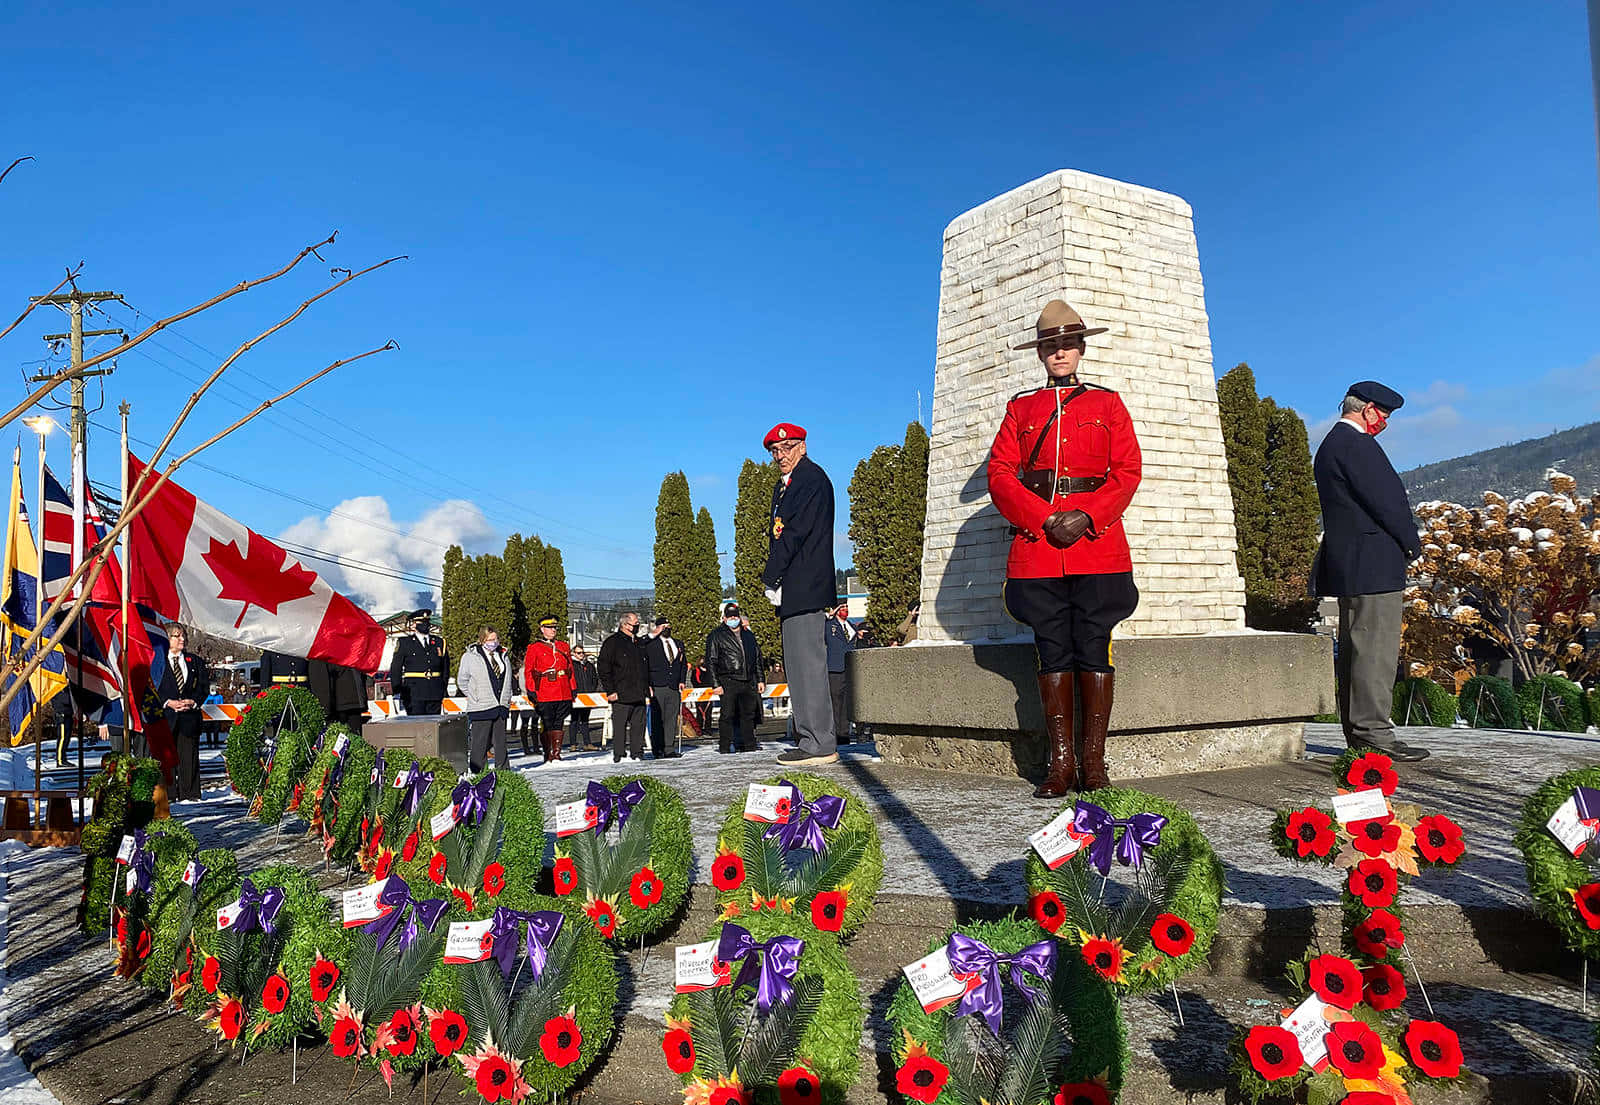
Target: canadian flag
{"points": [[194, 564]]}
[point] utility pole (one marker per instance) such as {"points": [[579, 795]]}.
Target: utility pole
{"points": [[72, 302]]}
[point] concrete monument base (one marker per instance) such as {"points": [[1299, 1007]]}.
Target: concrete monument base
{"points": [[441, 735], [1183, 704]]}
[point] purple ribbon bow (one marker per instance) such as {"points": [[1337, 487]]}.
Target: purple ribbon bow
{"points": [[1141, 831], [970, 956], [379, 774], [771, 965], [416, 783], [144, 861], [472, 799], [258, 909], [806, 820], [199, 873], [542, 927], [620, 804], [503, 938], [398, 895]]}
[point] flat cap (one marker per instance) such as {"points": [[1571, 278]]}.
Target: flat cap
{"points": [[1370, 391]]}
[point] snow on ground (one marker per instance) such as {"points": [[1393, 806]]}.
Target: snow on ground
{"points": [[18, 1086]]}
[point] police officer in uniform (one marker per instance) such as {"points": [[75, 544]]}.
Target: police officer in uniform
{"points": [[1063, 469], [279, 669], [547, 675], [420, 668]]}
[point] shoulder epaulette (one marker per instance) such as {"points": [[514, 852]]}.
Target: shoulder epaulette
{"points": [[1025, 391], [1099, 387]]}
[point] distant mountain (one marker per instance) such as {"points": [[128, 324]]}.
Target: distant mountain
{"points": [[1512, 470]]}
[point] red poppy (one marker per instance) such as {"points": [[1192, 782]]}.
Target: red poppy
{"points": [[464, 897], [1045, 907], [275, 994], [496, 1079], [345, 1037], [645, 889], [188, 955], [403, 1033], [232, 1019], [1336, 981], [1383, 987], [384, 866], [605, 919], [1312, 832], [1366, 1097], [1439, 839], [377, 834], [211, 974], [729, 1095], [1172, 934], [1082, 1093], [922, 1078], [1104, 957], [122, 929], [142, 948], [448, 1031], [1372, 770], [324, 973], [797, 1086], [1587, 900], [181, 982], [1273, 1051], [1378, 933], [727, 873], [1355, 1050], [781, 807], [364, 823], [566, 876], [1372, 882], [1375, 835], [436, 867], [560, 1041], [494, 879], [1434, 1049], [827, 911], [678, 1046], [408, 850]]}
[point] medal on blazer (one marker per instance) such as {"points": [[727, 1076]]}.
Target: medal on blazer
{"points": [[777, 526]]}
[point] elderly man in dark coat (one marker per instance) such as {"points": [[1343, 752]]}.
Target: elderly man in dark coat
{"points": [[1369, 536]]}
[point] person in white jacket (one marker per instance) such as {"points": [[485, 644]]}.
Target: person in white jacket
{"points": [[484, 679]]}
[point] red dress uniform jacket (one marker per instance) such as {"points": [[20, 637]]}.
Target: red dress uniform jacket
{"points": [[1091, 436], [547, 671]]}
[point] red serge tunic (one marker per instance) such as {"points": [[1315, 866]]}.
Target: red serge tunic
{"points": [[1091, 436], [547, 671]]}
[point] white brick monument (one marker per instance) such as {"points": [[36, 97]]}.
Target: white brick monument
{"points": [[1126, 258]]}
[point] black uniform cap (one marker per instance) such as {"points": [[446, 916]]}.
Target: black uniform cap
{"points": [[415, 614], [1370, 391]]}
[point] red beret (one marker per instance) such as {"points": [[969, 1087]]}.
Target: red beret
{"points": [[783, 431]]}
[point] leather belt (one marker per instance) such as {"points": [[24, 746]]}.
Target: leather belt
{"points": [[1076, 485]]}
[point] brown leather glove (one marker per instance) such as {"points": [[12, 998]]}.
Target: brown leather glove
{"points": [[1066, 526]]}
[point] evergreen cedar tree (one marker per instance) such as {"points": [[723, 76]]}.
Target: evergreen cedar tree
{"points": [[888, 507], [510, 592], [688, 576], [751, 527]]}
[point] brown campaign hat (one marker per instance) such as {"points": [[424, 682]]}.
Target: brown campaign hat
{"points": [[1058, 320]]}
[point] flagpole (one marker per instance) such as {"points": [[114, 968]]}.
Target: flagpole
{"points": [[38, 619], [127, 577], [80, 502]]}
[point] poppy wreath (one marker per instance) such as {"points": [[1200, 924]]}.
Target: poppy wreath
{"points": [[809, 1038], [631, 882], [123, 797], [833, 892], [190, 908], [243, 753], [1082, 1006], [168, 846], [337, 807], [492, 857], [1565, 888], [284, 790], [1160, 930], [392, 822], [540, 1036]]}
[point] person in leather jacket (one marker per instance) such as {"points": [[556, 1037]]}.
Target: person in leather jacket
{"points": [[733, 659]]}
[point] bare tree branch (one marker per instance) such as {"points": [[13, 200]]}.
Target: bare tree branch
{"points": [[32, 303], [13, 165]]}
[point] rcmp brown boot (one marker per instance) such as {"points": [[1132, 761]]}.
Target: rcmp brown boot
{"points": [[545, 743], [555, 742], [1055, 694], [1095, 688]]}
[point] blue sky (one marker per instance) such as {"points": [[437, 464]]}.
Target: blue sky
{"points": [[639, 235]]}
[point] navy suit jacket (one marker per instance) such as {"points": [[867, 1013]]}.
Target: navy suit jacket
{"points": [[800, 553], [1369, 535]]}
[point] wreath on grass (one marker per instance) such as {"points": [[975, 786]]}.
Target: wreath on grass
{"points": [[1162, 927], [823, 863], [1552, 702], [148, 881], [492, 854], [1565, 888], [787, 1028], [1489, 702], [211, 883], [628, 871], [243, 755], [123, 796], [530, 1026], [1042, 1028]]}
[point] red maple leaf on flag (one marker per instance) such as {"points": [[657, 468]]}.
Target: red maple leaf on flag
{"points": [[257, 578]]}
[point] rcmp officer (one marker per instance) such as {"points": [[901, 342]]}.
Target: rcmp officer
{"points": [[548, 678], [420, 668], [282, 670], [1063, 469]]}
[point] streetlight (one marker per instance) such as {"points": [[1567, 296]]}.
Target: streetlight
{"points": [[41, 424]]}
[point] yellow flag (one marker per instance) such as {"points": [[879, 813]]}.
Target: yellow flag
{"points": [[19, 611]]}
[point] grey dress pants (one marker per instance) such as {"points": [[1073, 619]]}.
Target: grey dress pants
{"points": [[1369, 653], [805, 665]]}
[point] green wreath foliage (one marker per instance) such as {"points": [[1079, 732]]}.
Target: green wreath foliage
{"points": [[329, 808], [1089, 1008], [510, 834], [1552, 703], [1423, 702], [291, 762], [1591, 705], [1554, 874], [174, 846], [391, 813], [1183, 877], [820, 1028], [656, 837], [123, 796], [183, 926], [1489, 702], [246, 737], [854, 857]]}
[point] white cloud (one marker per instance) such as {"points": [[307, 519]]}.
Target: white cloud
{"points": [[363, 529]]}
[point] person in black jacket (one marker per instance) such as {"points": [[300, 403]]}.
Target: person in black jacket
{"points": [[420, 668], [585, 680], [733, 663], [625, 677], [800, 579], [279, 669], [341, 690], [184, 686], [1369, 536], [669, 671]]}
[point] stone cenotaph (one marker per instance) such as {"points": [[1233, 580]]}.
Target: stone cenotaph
{"points": [[1196, 690]]}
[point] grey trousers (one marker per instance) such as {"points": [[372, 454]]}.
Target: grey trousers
{"points": [[1369, 652], [805, 665], [482, 733], [841, 713]]}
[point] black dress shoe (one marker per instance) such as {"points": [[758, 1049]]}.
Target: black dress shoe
{"points": [[1400, 752]]}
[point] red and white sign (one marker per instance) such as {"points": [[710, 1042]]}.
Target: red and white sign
{"points": [[696, 967]]}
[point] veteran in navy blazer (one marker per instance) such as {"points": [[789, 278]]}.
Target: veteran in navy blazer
{"points": [[1369, 536]]}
